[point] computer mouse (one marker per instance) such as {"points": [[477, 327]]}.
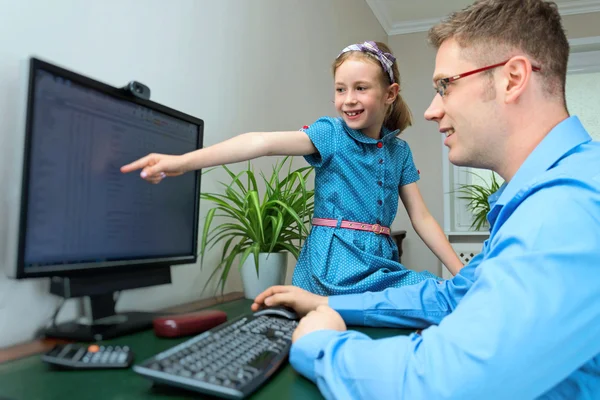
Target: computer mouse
{"points": [[187, 324], [280, 311]]}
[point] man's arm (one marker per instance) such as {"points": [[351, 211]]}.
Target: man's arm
{"points": [[415, 306], [528, 322]]}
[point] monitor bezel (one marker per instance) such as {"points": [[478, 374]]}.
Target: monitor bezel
{"points": [[93, 268]]}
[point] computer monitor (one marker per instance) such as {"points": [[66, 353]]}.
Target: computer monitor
{"points": [[90, 228]]}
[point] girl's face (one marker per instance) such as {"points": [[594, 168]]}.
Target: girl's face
{"points": [[360, 97]]}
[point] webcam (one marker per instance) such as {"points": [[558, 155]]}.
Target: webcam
{"points": [[138, 89]]}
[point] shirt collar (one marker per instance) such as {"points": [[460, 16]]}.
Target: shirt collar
{"points": [[565, 136], [357, 135]]}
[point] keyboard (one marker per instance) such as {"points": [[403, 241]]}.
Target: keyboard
{"points": [[231, 360]]}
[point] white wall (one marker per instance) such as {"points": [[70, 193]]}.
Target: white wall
{"points": [[583, 99], [239, 65]]}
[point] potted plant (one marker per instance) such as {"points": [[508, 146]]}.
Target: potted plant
{"points": [[477, 195], [261, 230]]}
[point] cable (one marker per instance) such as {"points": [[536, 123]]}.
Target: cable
{"points": [[56, 311], [40, 332], [116, 296]]}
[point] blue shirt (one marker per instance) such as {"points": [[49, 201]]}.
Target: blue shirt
{"points": [[521, 321], [356, 179]]}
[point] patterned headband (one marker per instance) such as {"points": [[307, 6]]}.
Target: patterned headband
{"points": [[386, 59]]}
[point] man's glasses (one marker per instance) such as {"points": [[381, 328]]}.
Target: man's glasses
{"points": [[441, 85]]}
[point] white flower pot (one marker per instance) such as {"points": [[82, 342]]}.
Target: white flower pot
{"points": [[272, 269]]}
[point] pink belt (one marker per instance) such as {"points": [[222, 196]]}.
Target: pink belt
{"points": [[359, 226]]}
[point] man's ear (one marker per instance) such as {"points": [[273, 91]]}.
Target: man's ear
{"points": [[392, 93], [517, 75]]}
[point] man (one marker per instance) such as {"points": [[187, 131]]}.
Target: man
{"points": [[522, 320]]}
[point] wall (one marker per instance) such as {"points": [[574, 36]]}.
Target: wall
{"points": [[416, 61], [240, 65], [582, 25], [583, 98]]}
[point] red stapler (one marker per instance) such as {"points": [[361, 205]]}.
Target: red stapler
{"points": [[187, 324]]}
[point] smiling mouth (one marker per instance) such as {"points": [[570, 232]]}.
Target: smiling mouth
{"points": [[449, 132], [353, 113]]}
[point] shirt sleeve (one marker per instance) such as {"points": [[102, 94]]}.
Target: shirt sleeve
{"points": [[410, 174], [324, 137], [529, 321], [413, 306]]}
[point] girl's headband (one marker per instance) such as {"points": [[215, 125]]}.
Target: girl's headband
{"points": [[386, 59]]}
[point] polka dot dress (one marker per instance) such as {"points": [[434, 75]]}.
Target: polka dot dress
{"points": [[356, 179]]}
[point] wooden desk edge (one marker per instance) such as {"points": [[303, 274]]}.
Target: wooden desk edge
{"points": [[42, 345]]}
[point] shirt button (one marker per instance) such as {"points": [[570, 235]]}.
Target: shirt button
{"points": [[379, 202], [381, 161], [380, 183], [378, 222], [379, 144]]}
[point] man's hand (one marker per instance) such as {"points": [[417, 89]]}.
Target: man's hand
{"points": [[324, 317], [300, 300]]}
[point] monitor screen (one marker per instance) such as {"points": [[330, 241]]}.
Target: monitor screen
{"points": [[78, 211]]}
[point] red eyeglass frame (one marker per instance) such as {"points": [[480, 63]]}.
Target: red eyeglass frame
{"points": [[442, 84]]}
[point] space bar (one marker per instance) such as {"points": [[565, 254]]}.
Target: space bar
{"points": [[263, 360]]}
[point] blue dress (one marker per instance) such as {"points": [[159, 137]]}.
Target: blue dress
{"points": [[355, 180]]}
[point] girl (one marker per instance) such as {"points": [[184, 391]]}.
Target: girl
{"points": [[360, 165]]}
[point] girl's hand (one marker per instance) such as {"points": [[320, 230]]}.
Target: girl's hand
{"points": [[155, 167]]}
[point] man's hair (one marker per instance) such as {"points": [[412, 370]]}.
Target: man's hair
{"points": [[489, 30]]}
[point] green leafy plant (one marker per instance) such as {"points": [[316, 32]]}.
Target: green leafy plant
{"points": [[275, 223], [477, 197]]}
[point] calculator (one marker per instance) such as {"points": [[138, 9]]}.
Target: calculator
{"points": [[82, 356]]}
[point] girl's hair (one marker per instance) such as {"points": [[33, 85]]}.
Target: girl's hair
{"points": [[398, 115]]}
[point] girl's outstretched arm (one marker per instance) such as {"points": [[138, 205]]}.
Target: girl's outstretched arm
{"points": [[239, 148], [427, 227]]}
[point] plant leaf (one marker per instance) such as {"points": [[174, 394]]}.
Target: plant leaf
{"points": [[253, 223], [205, 229]]}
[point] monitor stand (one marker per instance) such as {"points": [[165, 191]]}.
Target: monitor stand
{"points": [[101, 321]]}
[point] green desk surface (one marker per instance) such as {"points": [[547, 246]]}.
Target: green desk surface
{"points": [[31, 379]]}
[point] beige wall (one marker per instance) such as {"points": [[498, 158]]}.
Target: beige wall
{"points": [[582, 25], [239, 65], [416, 61]]}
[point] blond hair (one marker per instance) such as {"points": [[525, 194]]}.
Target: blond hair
{"points": [[492, 29], [398, 115]]}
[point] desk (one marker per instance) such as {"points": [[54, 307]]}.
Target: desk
{"points": [[31, 379]]}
